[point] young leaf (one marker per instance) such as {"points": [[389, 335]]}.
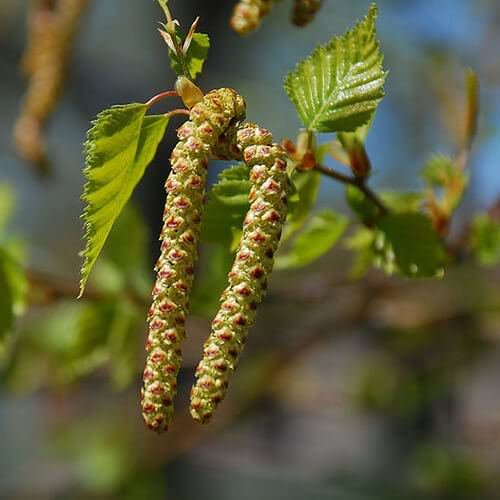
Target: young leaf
{"points": [[416, 247], [361, 244], [396, 201], [438, 170], [318, 237], [338, 87], [306, 188], [227, 205], [216, 262], [6, 301], [13, 286], [443, 173], [120, 145], [360, 204], [472, 107], [485, 240], [194, 58], [402, 201], [164, 6], [124, 261], [72, 339], [6, 205]]}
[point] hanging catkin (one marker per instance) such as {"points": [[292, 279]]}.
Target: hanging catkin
{"points": [[304, 11], [185, 186], [248, 15], [52, 25], [252, 266]]}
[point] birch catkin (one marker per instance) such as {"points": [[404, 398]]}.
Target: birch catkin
{"points": [[304, 11], [248, 15], [185, 186], [248, 276], [52, 26]]}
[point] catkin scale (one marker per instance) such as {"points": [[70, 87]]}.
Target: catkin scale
{"points": [[304, 11], [248, 15], [247, 280], [185, 187]]}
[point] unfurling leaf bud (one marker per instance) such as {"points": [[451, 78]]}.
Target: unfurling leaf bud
{"points": [[209, 119], [248, 277], [359, 160], [190, 93]]}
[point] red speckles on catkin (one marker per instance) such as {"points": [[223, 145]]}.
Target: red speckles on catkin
{"points": [[248, 276], [185, 186]]}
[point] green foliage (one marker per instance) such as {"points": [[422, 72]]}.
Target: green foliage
{"points": [[226, 206], [439, 472], [13, 281], [438, 170], [361, 244], [6, 298], [72, 339], [360, 205], [216, 261], [394, 200], [228, 203], [305, 189], [318, 237], [194, 58], [120, 145], [402, 242], [124, 265], [338, 87], [6, 205], [410, 241], [402, 201], [359, 135], [485, 240], [443, 173]]}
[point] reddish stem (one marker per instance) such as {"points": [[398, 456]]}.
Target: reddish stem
{"points": [[178, 111], [160, 96]]}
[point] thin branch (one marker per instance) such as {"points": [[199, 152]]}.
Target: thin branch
{"points": [[47, 289], [354, 181], [178, 111], [160, 96]]}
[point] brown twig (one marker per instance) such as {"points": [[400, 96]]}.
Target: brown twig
{"points": [[354, 181], [46, 289]]}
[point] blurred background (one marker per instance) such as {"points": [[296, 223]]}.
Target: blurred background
{"points": [[378, 388]]}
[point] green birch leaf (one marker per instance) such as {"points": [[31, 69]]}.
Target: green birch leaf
{"points": [[194, 58], [403, 201], [226, 206], [338, 87], [485, 240], [120, 145], [216, 262], [13, 287], [360, 204], [317, 238], [409, 201], [6, 205], [6, 302], [124, 262], [302, 201], [439, 170], [443, 173], [72, 339], [361, 245], [412, 243]]}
